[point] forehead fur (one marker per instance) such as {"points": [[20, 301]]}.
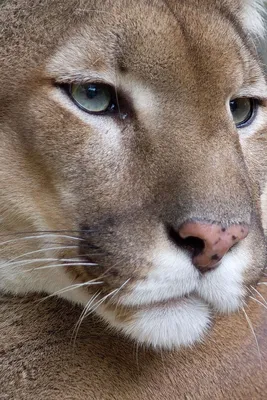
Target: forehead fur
{"points": [[249, 12]]}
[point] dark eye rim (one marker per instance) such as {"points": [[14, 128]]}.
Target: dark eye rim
{"points": [[112, 108], [254, 105]]}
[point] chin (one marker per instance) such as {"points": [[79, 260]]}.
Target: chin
{"points": [[170, 325]]}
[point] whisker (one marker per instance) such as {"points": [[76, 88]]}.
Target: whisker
{"points": [[34, 260], [108, 269], [81, 318], [113, 293], [60, 265], [40, 237], [72, 287], [101, 301], [259, 294], [258, 301], [52, 231], [83, 245], [88, 310], [254, 334], [35, 252]]}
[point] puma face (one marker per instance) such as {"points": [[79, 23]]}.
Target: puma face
{"points": [[133, 160]]}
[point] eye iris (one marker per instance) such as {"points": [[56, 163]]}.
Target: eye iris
{"points": [[242, 110], [94, 98]]}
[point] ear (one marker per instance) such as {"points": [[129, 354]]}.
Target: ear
{"points": [[252, 15]]}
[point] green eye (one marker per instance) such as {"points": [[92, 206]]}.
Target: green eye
{"points": [[243, 111], [94, 98]]}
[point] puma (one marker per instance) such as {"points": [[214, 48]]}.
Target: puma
{"points": [[133, 160]]}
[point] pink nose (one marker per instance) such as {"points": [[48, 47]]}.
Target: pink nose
{"points": [[217, 240]]}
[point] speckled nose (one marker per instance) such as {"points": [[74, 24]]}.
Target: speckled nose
{"points": [[217, 240]]}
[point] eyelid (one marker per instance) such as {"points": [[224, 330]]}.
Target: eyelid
{"points": [[120, 111], [259, 101], [81, 81], [85, 77], [251, 94]]}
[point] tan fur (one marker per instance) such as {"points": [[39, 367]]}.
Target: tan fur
{"points": [[39, 360], [111, 188]]}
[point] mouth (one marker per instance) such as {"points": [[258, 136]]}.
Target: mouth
{"points": [[178, 301], [177, 322], [167, 303]]}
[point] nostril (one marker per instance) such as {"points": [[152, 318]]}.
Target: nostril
{"points": [[192, 244], [216, 240], [207, 242]]}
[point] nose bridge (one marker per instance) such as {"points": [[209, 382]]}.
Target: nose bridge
{"points": [[220, 185], [219, 167], [207, 174], [213, 206]]}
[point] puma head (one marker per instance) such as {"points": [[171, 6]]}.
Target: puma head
{"points": [[133, 159]]}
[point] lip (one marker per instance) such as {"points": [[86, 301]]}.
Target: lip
{"points": [[209, 268], [157, 304], [168, 303]]}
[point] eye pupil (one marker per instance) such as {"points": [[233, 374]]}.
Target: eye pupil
{"points": [[233, 106], [92, 92]]}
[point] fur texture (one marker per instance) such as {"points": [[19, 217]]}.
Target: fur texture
{"points": [[89, 203], [39, 360], [253, 16]]}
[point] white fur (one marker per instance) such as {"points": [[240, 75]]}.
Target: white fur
{"points": [[145, 100], [172, 276], [182, 320], [176, 325], [23, 280], [169, 312], [252, 16], [223, 287]]}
